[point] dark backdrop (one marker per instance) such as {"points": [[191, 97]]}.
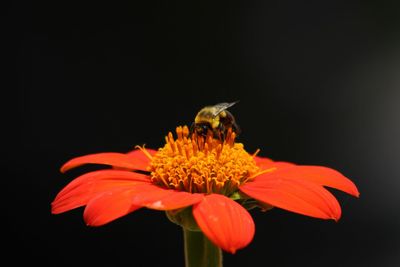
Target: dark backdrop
{"points": [[318, 83]]}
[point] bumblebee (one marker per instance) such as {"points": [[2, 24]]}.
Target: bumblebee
{"points": [[216, 119]]}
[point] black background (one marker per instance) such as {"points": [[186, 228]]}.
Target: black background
{"points": [[318, 83]]}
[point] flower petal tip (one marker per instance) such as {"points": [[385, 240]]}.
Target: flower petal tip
{"points": [[337, 217], [94, 224], [352, 189], [53, 209], [64, 168], [232, 250]]}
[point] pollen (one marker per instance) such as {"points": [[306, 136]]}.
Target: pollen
{"points": [[202, 164]]}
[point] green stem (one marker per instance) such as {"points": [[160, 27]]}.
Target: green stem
{"points": [[199, 251]]}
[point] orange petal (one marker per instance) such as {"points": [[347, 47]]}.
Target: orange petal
{"points": [[154, 197], [227, 224], [316, 174], [298, 196], [126, 161], [109, 206], [85, 187]]}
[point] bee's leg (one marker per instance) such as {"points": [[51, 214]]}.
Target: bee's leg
{"points": [[191, 130], [193, 134], [219, 133], [236, 128]]}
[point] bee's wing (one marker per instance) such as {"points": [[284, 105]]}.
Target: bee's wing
{"points": [[218, 108]]}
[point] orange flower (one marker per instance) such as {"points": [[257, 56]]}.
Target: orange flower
{"points": [[219, 180]]}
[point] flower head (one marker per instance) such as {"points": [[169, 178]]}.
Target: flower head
{"points": [[217, 179], [202, 165]]}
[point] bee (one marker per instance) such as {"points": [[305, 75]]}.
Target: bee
{"points": [[216, 119]]}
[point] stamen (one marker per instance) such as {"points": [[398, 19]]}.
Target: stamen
{"points": [[218, 150], [179, 145], [256, 153], [187, 152], [259, 173], [163, 181], [171, 142], [147, 154], [179, 132], [232, 139], [228, 135], [185, 131], [206, 149], [194, 146], [200, 141]]}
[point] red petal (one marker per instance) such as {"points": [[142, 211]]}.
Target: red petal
{"points": [[140, 154], [126, 161], [109, 206], [262, 161], [227, 224], [316, 174], [109, 176], [85, 187], [298, 196], [266, 163], [154, 197]]}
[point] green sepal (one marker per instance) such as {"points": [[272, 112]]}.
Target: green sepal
{"points": [[235, 196], [184, 218], [250, 203]]}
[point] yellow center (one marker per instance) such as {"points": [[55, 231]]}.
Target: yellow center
{"points": [[200, 164]]}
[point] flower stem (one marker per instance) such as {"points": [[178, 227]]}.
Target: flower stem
{"points": [[199, 251]]}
